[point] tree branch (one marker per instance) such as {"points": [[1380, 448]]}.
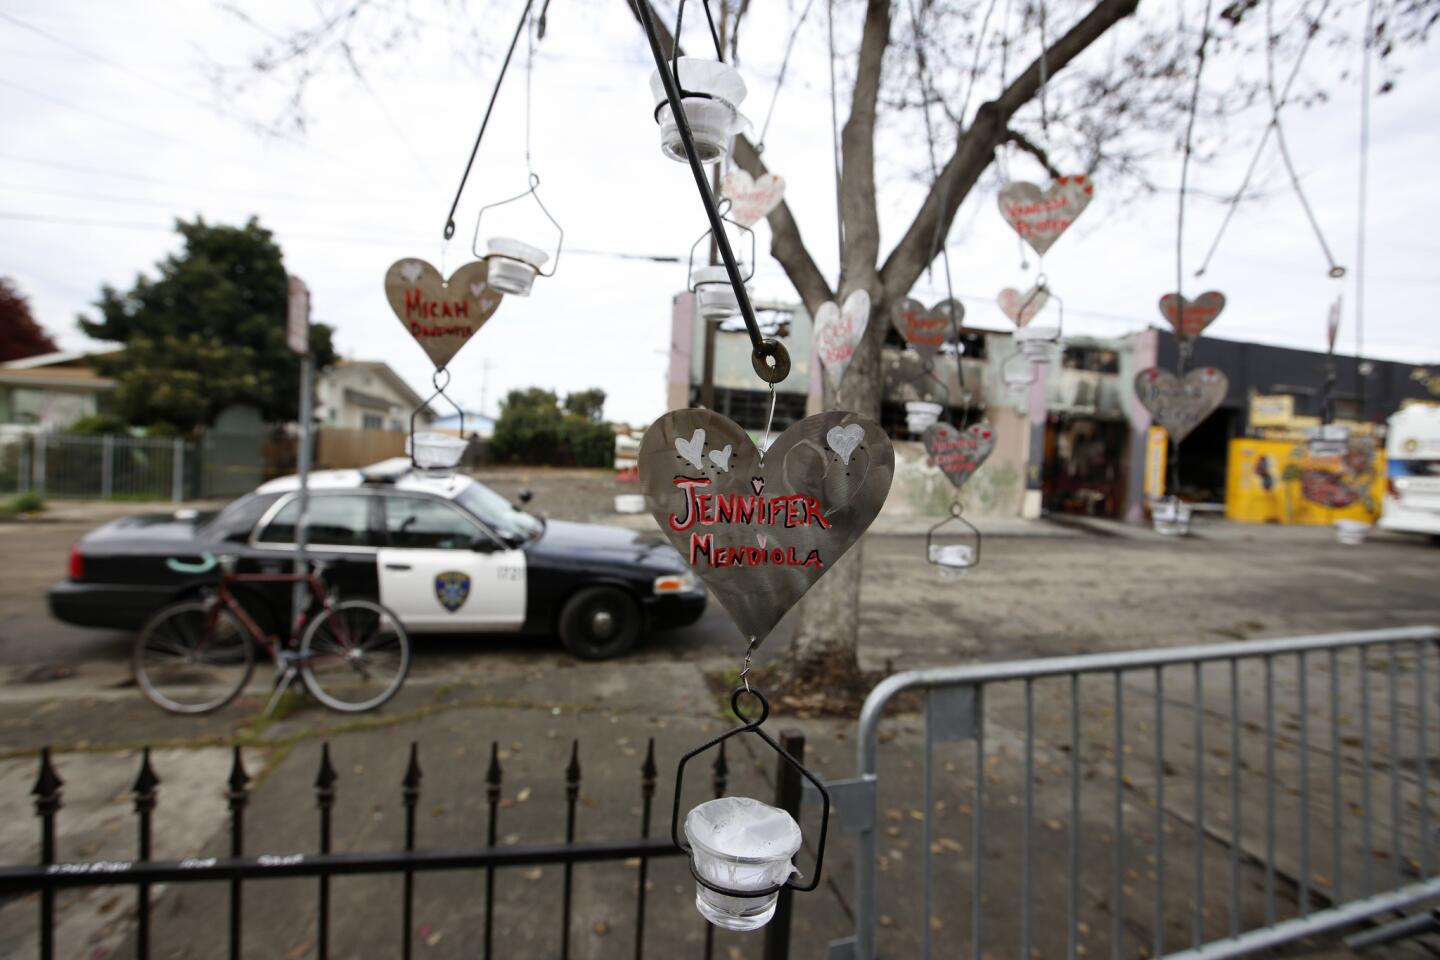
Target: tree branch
{"points": [[1023, 142], [786, 244], [976, 148], [858, 208]]}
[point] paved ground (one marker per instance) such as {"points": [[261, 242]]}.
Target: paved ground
{"points": [[1041, 591]]}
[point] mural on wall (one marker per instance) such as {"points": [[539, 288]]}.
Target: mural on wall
{"points": [[1278, 481]]}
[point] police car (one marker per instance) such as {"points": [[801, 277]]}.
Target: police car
{"points": [[446, 554]]}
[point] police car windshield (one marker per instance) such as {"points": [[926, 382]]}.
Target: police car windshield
{"points": [[498, 513]]}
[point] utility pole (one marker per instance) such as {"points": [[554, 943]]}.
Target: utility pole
{"points": [[297, 336]]}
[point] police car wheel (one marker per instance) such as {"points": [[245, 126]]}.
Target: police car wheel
{"points": [[599, 623]]}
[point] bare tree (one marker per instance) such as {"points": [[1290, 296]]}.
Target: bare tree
{"points": [[1053, 93]]}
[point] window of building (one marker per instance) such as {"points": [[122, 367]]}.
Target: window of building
{"points": [[335, 520], [749, 408], [431, 524], [372, 421], [1094, 359]]}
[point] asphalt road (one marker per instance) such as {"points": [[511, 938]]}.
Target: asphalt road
{"points": [[1032, 596]]}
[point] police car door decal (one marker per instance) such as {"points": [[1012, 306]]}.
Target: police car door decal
{"points": [[436, 579]]}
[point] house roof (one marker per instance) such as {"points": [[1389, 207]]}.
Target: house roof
{"points": [[61, 358], [72, 378], [382, 368]]}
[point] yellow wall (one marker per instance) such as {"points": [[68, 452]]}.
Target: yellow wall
{"points": [[1247, 500]]}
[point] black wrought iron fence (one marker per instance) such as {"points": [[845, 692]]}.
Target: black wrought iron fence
{"points": [[53, 874]]}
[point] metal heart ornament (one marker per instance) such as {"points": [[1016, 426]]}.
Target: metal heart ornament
{"points": [[927, 330], [958, 453], [838, 332], [751, 199], [441, 316], [760, 532], [1021, 308], [1181, 405], [1189, 318], [1040, 216]]}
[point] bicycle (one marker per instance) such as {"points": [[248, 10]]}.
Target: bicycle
{"points": [[195, 656]]}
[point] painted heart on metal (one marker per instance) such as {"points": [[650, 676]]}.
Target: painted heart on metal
{"points": [[441, 316], [1021, 308], [1193, 316], [1180, 405], [751, 200], [762, 532], [1040, 216], [958, 453], [927, 330], [838, 332]]}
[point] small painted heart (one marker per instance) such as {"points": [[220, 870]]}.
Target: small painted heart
{"points": [[1021, 308], [926, 331], [1180, 405], [838, 332], [1193, 316], [441, 316], [959, 454], [751, 200], [1040, 216], [815, 506]]}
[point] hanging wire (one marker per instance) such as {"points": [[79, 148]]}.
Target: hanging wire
{"points": [[780, 80], [494, 94], [1360, 211], [835, 139], [1336, 270], [975, 63], [938, 246], [1184, 345], [1239, 194], [1044, 74]]}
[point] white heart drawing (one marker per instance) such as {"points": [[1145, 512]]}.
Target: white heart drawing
{"points": [[411, 270], [757, 484], [838, 332], [721, 458], [1040, 216], [844, 440], [762, 540], [692, 448], [752, 200], [1021, 308], [476, 289]]}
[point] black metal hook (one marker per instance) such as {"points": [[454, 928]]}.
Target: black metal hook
{"points": [[956, 514], [751, 726], [435, 381]]}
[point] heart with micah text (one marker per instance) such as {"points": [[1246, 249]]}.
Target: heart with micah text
{"points": [[1040, 216], [838, 332], [442, 317], [959, 453], [1180, 405], [1021, 308], [926, 331], [752, 199], [760, 533], [1192, 316]]}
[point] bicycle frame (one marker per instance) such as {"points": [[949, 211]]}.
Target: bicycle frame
{"points": [[226, 598]]}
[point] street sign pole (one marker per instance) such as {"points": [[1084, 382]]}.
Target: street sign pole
{"points": [[298, 338]]}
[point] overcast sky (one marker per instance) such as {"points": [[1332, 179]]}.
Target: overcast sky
{"points": [[109, 130]]}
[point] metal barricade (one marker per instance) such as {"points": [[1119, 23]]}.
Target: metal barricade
{"points": [[1211, 800]]}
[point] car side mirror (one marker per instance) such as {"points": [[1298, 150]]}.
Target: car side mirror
{"points": [[525, 495]]}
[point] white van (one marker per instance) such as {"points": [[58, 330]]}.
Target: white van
{"points": [[1412, 450]]}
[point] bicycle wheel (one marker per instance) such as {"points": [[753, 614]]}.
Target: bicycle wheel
{"points": [[193, 658], [354, 656]]}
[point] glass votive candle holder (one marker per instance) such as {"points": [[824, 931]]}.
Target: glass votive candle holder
{"points": [[740, 844]]}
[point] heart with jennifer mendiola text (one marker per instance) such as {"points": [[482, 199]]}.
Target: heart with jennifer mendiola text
{"points": [[761, 529]]}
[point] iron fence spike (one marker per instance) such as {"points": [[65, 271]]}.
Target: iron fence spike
{"points": [[572, 770], [325, 778], [48, 783], [494, 775], [239, 779], [647, 770], [145, 782], [413, 774]]}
